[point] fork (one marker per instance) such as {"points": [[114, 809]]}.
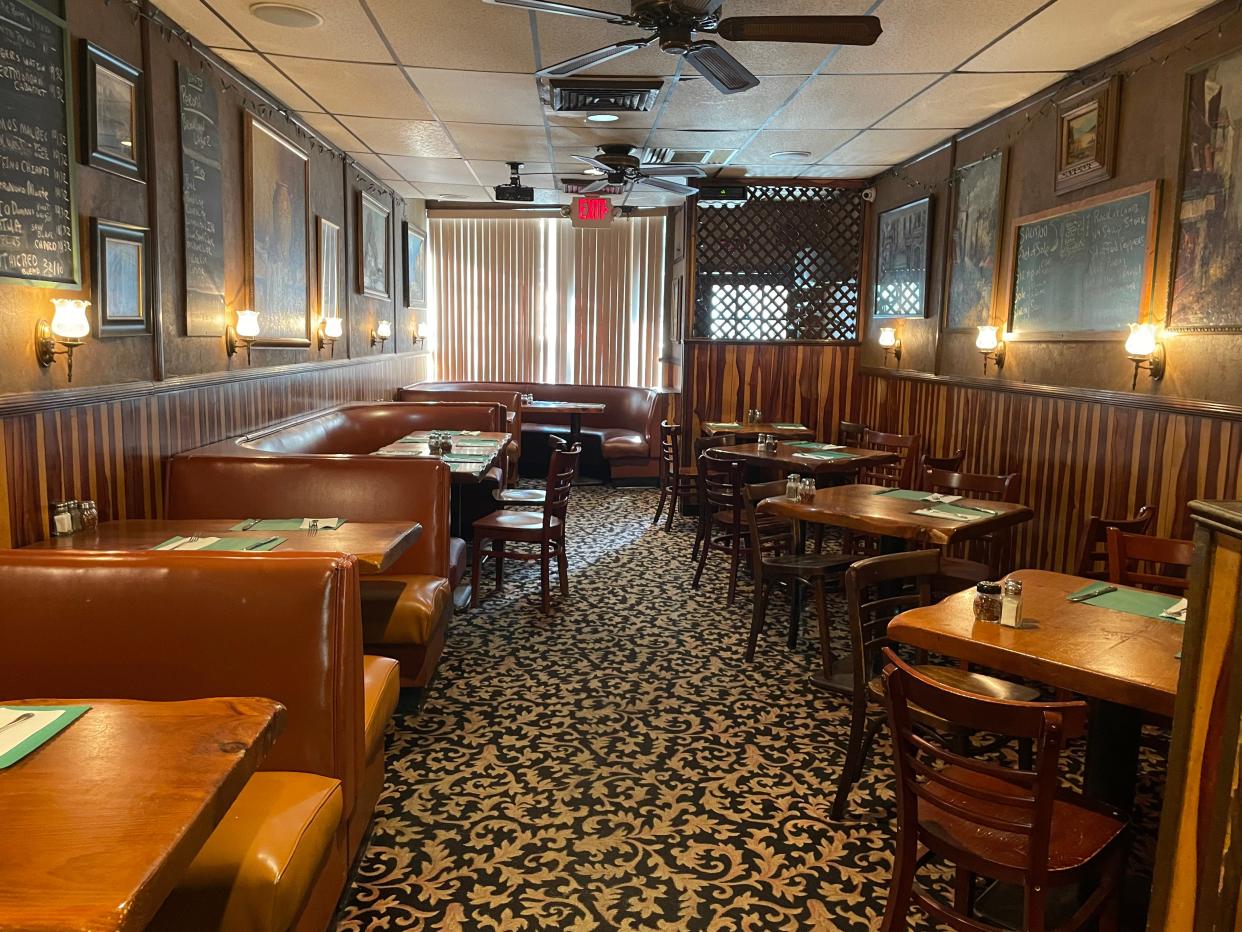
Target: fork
{"points": [[314, 527]]}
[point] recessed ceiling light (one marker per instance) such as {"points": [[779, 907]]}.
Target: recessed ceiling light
{"points": [[286, 14], [603, 118], [793, 155], [592, 171]]}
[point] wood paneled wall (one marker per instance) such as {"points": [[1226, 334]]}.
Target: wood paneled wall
{"points": [[114, 451], [1076, 457]]}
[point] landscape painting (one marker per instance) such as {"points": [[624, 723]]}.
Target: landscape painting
{"points": [[975, 243], [901, 264], [373, 248], [415, 267]]}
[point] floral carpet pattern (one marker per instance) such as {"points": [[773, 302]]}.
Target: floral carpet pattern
{"points": [[617, 765]]}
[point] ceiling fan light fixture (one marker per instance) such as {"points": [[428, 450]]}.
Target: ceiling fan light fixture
{"points": [[791, 155], [286, 15], [593, 171], [603, 118]]}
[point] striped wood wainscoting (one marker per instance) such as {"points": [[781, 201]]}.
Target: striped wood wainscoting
{"points": [[112, 445], [1077, 457]]}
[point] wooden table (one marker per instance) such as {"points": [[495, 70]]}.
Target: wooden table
{"points": [[786, 460], [575, 410], [376, 545], [1126, 664], [491, 443], [102, 821], [716, 428]]}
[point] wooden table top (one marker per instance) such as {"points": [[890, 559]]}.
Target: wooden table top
{"points": [[859, 508], [716, 428], [785, 457], [102, 821], [490, 443], [1115, 656], [377, 545], [565, 407]]}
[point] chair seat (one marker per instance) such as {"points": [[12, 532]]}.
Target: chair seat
{"points": [[381, 687], [403, 609], [990, 686], [1080, 830], [513, 525], [807, 564], [257, 868], [520, 496]]}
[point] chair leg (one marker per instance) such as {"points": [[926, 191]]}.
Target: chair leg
{"points": [[500, 570], [674, 500], [474, 572], [963, 891], [853, 756], [703, 548], [795, 592], [660, 507], [901, 887], [757, 618], [735, 557], [562, 568], [825, 626], [1034, 918], [545, 582]]}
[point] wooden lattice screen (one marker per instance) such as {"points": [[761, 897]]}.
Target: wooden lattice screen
{"points": [[783, 266]]}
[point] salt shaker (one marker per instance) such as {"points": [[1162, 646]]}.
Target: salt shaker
{"points": [[62, 519], [793, 487], [1011, 604]]}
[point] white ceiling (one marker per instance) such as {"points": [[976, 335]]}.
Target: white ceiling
{"points": [[433, 96]]}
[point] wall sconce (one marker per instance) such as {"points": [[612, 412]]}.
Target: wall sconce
{"points": [[420, 334], [68, 327], [891, 343], [989, 343], [381, 333], [243, 334], [1146, 350], [330, 330]]}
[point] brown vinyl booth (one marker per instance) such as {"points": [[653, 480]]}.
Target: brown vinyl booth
{"points": [[173, 626], [510, 399], [405, 611], [627, 433]]}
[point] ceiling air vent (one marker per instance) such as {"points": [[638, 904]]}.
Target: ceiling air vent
{"points": [[575, 186], [586, 95], [687, 156]]}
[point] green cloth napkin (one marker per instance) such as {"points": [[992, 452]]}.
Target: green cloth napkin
{"points": [[71, 713], [789, 426], [813, 445], [284, 524], [905, 494], [1132, 601], [231, 544], [825, 456], [465, 457]]}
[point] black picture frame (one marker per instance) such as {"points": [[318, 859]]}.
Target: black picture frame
{"points": [[106, 80], [118, 247], [903, 266]]}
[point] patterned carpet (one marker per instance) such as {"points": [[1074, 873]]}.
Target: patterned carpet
{"points": [[618, 766]]}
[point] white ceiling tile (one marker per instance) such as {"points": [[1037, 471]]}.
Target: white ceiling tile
{"points": [[1073, 33], [330, 129], [356, 89], [641, 197], [694, 104], [405, 189], [962, 100], [480, 97], [862, 172], [434, 191], [885, 146], [376, 166], [497, 143], [770, 170], [586, 136], [441, 171], [819, 142], [402, 137], [922, 37], [346, 33], [849, 101], [534, 174], [564, 37], [198, 19], [463, 34], [701, 139], [257, 69]]}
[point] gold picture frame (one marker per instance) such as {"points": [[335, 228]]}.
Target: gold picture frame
{"points": [[1087, 135]]}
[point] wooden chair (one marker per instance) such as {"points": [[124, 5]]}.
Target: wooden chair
{"points": [[545, 529], [987, 557], [850, 434], [700, 445], [1144, 562], [899, 475], [1016, 825], [1093, 555], [677, 482], [518, 497], [953, 463], [876, 590], [790, 569], [723, 515]]}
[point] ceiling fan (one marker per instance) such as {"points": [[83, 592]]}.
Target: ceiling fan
{"points": [[621, 167], [673, 23]]}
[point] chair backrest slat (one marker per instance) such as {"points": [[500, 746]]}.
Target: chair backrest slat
{"points": [[851, 434], [906, 579], [561, 471], [1093, 554], [973, 485], [898, 475], [1160, 563]]}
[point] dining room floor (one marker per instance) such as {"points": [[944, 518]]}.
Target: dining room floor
{"points": [[617, 765]]}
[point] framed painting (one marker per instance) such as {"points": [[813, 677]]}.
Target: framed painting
{"points": [[277, 206], [415, 267], [974, 243], [1087, 135], [1207, 276], [119, 280], [374, 220], [329, 268], [113, 124], [901, 261]]}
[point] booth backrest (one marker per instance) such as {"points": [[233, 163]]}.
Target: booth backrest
{"points": [[510, 399], [174, 626], [357, 488], [364, 428]]}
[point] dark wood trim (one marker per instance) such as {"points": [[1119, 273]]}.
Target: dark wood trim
{"points": [[60, 399], [1070, 393]]}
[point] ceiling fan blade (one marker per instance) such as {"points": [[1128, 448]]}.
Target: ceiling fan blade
{"points": [[594, 163], [598, 185], [830, 30], [675, 171], [591, 59], [566, 9], [726, 73], [672, 187]]}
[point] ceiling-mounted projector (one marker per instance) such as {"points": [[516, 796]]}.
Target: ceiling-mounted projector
{"points": [[514, 190]]}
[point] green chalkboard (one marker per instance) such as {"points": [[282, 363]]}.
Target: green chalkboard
{"points": [[1084, 269]]}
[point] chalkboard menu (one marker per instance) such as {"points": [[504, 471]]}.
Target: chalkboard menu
{"points": [[38, 222], [1086, 268], [202, 204]]}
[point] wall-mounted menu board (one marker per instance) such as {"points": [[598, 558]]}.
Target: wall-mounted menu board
{"points": [[202, 198], [1084, 271], [38, 222]]}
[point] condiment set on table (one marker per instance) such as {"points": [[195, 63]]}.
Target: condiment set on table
{"points": [[767, 443], [71, 517], [439, 443], [999, 603], [754, 416], [798, 489]]}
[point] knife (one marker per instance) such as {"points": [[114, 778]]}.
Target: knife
{"points": [[25, 716], [262, 543], [1094, 593]]}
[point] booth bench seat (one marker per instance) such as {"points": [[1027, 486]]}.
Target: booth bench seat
{"points": [[626, 434]]}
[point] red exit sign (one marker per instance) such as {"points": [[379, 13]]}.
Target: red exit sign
{"points": [[591, 212]]}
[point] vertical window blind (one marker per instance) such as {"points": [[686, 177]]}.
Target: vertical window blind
{"points": [[534, 300]]}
